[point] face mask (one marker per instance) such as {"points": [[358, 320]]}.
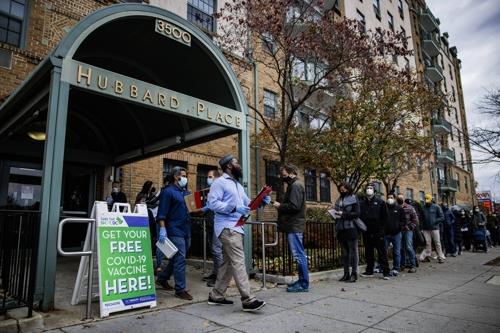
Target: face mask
{"points": [[115, 190], [477, 210], [183, 181], [369, 192], [210, 181], [391, 201]]}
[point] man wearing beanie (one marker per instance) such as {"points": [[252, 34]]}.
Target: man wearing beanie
{"points": [[228, 200], [374, 215]]}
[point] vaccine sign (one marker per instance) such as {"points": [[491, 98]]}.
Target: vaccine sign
{"points": [[126, 279]]}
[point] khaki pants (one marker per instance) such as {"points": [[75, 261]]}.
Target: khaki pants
{"points": [[432, 235], [233, 266]]}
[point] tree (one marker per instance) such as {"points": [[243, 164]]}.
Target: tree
{"points": [[376, 130], [309, 52], [486, 140]]}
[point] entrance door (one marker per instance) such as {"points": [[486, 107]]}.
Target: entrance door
{"points": [[21, 185], [78, 194]]}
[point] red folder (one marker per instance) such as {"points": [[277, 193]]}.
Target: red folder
{"points": [[255, 203]]}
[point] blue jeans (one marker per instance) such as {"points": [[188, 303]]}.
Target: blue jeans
{"points": [[177, 264], [159, 254], [295, 243], [449, 239], [408, 257], [396, 249]]}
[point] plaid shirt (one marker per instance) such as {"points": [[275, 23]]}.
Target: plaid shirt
{"points": [[411, 216]]}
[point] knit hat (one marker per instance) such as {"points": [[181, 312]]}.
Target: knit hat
{"points": [[225, 160]]}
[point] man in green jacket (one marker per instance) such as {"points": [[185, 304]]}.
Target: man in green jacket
{"points": [[432, 217], [292, 221]]}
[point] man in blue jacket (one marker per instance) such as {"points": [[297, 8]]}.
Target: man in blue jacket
{"points": [[432, 217], [174, 220]]}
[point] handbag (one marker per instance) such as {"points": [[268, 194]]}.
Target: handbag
{"points": [[419, 237], [360, 224]]}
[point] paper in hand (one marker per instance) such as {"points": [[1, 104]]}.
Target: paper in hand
{"points": [[334, 213]]}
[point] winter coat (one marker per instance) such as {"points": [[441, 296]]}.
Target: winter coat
{"points": [[432, 217], [345, 226], [373, 214], [396, 220], [292, 211]]}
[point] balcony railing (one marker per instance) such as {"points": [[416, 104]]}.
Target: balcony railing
{"points": [[428, 20], [445, 155], [441, 126], [448, 185], [431, 44], [433, 71]]}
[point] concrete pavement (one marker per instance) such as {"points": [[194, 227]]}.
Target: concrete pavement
{"points": [[450, 297]]}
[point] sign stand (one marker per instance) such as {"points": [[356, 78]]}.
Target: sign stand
{"points": [[124, 261]]}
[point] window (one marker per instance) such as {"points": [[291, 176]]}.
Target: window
{"points": [[310, 184], [377, 186], [390, 20], [304, 120], [403, 32], [454, 155], [457, 178], [5, 58], [376, 8], [445, 84], [201, 176], [201, 13], [11, 21], [361, 21], [409, 193], [400, 9], [466, 184], [451, 134], [462, 160], [273, 174], [269, 104], [268, 43], [168, 165], [453, 93], [336, 7], [459, 139], [451, 72], [324, 188], [407, 64], [421, 196]]}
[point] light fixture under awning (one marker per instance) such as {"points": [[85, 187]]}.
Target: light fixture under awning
{"points": [[38, 136]]}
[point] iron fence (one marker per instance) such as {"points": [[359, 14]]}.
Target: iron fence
{"points": [[320, 243], [19, 231]]}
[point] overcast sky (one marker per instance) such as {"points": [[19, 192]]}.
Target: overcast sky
{"points": [[474, 28]]}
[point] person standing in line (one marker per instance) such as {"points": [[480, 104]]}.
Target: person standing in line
{"points": [[213, 241], [292, 221], [347, 207], [432, 217], [374, 215], [116, 196], [459, 225], [448, 227], [396, 222], [408, 257], [173, 217], [228, 200]]}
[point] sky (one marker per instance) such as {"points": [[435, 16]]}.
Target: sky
{"points": [[474, 28]]}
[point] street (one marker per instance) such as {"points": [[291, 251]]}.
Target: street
{"points": [[449, 297]]}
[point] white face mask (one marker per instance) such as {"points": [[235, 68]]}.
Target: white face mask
{"points": [[391, 201], [115, 190], [369, 192], [477, 210], [183, 181]]}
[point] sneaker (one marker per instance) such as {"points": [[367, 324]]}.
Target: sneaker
{"points": [[412, 270], [292, 284], [386, 277], [164, 285], [394, 273], [367, 274], [210, 277], [377, 270], [211, 283], [440, 260], [297, 289], [254, 306], [223, 301], [184, 295]]}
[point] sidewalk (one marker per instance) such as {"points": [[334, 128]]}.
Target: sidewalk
{"points": [[450, 297]]}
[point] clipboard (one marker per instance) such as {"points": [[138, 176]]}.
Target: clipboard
{"points": [[255, 203]]}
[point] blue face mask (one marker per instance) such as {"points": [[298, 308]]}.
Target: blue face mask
{"points": [[183, 181], [210, 181]]}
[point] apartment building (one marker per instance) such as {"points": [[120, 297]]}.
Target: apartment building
{"points": [[438, 64]]}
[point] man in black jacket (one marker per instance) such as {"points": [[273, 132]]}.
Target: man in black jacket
{"points": [[395, 223], [292, 220], [374, 215]]}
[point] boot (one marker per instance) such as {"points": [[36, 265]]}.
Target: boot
{"points": [[345, 277], [353, 278]]}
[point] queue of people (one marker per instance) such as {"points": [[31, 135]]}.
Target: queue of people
{"points": [[397, 223]]}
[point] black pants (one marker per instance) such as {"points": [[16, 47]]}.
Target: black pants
{"points": [[373, 242], [350, 255]]}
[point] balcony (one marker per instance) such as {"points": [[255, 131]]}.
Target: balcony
{"points": [[445, 155], [450, 185], [431, 44], [434, 72], [428, 21], [441, 126]]}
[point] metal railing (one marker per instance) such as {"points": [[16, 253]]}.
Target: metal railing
{"points": [[19, 232], [263, 243], [89, 253], [320, 244]]}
